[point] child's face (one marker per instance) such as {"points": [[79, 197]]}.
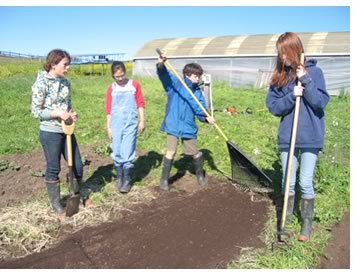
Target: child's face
{"points": [[120, 76], [60, 69], [285, 59], [194, 78]]}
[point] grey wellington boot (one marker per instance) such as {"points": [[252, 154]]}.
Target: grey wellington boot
{"points": [[126, 179], [307, 213], [289, 215], [279, 209], [290, 208], [53, 190], [199, 172], [120, 175], [167, 165]]}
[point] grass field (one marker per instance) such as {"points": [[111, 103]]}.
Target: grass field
{"points": [[256, 134]]}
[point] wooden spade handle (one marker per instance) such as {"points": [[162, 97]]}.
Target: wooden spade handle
{"points": [[68, 131], [291, 151], [69, 151]]}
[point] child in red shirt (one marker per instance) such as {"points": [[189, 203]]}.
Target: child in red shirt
{"points": [[124, 100]]}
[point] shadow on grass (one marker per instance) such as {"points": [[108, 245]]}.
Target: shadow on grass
{"points": [[185, 163], [144, 164], [97, 181]]}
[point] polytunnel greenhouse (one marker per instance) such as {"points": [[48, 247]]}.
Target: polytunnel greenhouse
{"points": [[249, 60]]}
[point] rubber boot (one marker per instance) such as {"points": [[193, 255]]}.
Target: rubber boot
{"points": [[279, 202], [53, 190], [279, 209], [167, 165], [126, 179], [199, 172], [307, 213], [290, 208], [289, 214], [120, 174]]}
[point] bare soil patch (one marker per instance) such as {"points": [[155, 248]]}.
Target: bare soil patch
{"points": [[188, 227], [337, 253]]}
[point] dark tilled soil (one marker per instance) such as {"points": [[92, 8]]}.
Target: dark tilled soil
{"points": [[17, 186], [186, 228], [337, 254], [22, 185], [202, 230]]}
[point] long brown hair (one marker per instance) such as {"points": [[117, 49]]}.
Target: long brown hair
{"points": [[289, 44]]}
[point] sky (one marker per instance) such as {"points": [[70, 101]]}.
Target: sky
{"points": [[125, 29]]}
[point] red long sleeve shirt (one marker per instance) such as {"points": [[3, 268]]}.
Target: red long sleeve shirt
{"points": [[138, 96]]}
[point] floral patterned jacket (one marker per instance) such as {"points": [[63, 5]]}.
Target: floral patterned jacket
{"points": [[50, 93]]}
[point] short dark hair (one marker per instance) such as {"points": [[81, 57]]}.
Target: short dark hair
{"points": [[54, 57], [117, 65], [192, 68]]}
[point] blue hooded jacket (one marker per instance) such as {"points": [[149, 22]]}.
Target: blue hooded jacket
{"points": [[311, 124], [181, 108]]}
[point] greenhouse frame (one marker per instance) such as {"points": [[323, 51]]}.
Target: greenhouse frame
{"points": [[249, 60]]}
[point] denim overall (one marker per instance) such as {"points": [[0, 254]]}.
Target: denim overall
{"points": [[123, 125]]}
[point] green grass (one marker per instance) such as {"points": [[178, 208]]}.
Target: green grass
{"points": [[256, 134]]}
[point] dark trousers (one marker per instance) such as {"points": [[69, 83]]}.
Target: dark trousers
{"points": [[54, 146]]}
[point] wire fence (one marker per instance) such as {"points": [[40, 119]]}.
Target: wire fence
{"points": [[21, 55]]}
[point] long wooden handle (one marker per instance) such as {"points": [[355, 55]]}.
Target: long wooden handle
{"points": [[68, 131], [192, 95], [69, 151], [291, 151]]}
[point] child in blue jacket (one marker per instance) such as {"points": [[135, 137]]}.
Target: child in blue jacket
{"points": [[310, 132], [179, 121]]}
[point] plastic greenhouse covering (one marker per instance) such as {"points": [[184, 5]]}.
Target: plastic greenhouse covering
{"points": [[255, 71]]}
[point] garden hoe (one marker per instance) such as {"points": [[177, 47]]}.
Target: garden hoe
{"points": [[73, 201], [244, 170], [280, 231]]}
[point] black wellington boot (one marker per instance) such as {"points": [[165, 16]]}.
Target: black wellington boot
{"points": [[290, 208], [279, 209], [289, 214], [167, 165], [199, 172], [307, 213], [288, 219], [53, 190], [126, 179], [120, 175]]}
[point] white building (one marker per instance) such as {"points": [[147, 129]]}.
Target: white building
{"points": [[249, 60]]}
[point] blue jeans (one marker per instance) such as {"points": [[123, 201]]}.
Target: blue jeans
{"points": [[54, 145], [308, 159]]}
